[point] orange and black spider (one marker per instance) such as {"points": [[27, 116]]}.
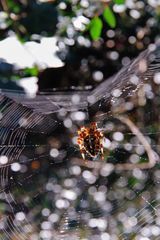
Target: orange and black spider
{"points": [[90, 141]]}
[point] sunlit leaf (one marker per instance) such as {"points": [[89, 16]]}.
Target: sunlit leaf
{"points": [[95, 28], [31, 71], [119, 2], [109, 17]]}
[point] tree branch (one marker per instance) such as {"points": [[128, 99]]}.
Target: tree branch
{"points": [[152, 155]]}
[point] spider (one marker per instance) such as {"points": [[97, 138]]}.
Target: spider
{"points": [[90, 141]]}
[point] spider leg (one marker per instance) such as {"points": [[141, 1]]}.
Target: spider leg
{"points": [[83, 155], [101, 151], [82, 149], [80, 141], [101, 155]]}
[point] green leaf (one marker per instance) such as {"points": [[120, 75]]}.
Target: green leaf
{"points": [[95, 28], [119, 2], [109, 17], [31, 71]]}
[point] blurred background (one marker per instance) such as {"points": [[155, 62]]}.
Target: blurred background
{"points": [[53, 55], [80, 42]]}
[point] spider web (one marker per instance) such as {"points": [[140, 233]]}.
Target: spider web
{"points": [[47, 192]]}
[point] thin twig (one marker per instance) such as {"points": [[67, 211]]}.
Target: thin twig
{"points": [[152, 155]]}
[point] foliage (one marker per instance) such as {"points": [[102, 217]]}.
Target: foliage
{"points": [[95, 37], [109, 17], [95, 28]]}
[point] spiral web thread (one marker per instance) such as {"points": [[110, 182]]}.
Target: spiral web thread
{"points": [[22, 118]]}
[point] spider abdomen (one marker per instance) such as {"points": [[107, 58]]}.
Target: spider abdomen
{"points": [[90, 141], [91, 145]]}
